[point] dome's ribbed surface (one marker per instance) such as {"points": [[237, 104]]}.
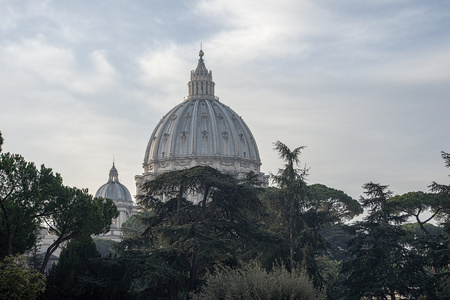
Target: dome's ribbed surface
{"points": [[113, 189], [201, 131]]}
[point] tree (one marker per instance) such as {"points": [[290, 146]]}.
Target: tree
{"points": [[25, 197], [70, 278], [74, 214], [380, 264], [299, 212], [190, 238], [336, 205], [136, 224], [82, 274], [418, 204], [18, 281], [293, 193], [444, 192]]}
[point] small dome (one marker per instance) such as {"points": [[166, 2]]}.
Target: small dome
{"points": [[113, 189]]}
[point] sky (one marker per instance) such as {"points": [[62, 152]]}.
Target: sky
{"points": [[364, 85]]}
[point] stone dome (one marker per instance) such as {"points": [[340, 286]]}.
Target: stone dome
{"points": [[201, 131], [113, 189]]}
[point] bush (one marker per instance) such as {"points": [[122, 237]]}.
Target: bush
{"points": [[251, 281], [18, 281]]}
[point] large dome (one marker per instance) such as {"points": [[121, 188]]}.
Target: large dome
{"points": [[201, 131], [113, 189]]}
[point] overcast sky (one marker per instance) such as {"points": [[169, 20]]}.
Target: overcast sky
{"points": [[365, 85]]}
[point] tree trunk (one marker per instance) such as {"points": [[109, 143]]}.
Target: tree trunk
{"points": [[9, 241], [9, 234], [194, 267], [173, 291], [291, 242], [49, 253]]}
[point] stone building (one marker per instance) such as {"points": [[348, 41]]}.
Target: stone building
{"points": [[121, 196], [201, 131]]}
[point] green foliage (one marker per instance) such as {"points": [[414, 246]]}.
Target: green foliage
{"points": [[424, 207], [414, 229], [336, 238], [189, 238], [70, 278], [136, 224], [25, 197], [338, 205], [444, 192], [81, 273], [76, 214], [105, 247], [381, 265], [298, 212], [251, 281], [30, 197], [18, 281]]}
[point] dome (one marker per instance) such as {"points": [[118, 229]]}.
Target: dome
{"points": [[113, 189], [201, 131]]}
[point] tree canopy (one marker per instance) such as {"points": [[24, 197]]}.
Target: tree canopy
{"points": [[199, 217], [26, 194], [18, 281], [31, 197]]}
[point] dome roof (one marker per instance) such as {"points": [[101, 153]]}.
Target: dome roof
{"points": [[113, 189], [200, 131]]}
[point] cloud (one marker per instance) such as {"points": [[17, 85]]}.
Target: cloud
{"points": [[361, 84], [57, 67]]}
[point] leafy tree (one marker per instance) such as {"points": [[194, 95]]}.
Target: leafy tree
{"points": [[189, 238], [444, 192], [336, 205], [1, 141], [35, 255], [337, 239], [105, 246], [251, 281], [25, 196], [18, 281], [65, 279], [136, 224], [75, 213], [82, 274], [299, 212], [417, 204], [380, 265]]}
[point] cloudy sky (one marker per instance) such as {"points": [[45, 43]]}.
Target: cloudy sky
{"points": [[365, 85]]}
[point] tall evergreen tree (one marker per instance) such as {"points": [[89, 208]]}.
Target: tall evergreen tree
{"points": [[82, 274], [299, 212], [291, 181], [189, 237], [379, 265]]}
